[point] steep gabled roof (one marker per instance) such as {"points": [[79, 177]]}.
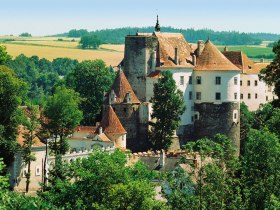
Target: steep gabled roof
{"points": [[110, 123], [212, 59], [167, 44], [121, 87], [239, 59]]}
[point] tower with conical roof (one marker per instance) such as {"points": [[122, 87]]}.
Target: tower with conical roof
{"points": [[217, 91], [126, 105]]}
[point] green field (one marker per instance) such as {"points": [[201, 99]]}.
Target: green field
{"points": [[252, 51]]}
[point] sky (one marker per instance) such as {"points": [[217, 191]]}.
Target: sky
{"points": [[48, 17]]}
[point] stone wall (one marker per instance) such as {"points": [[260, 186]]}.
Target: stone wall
{"points": [[138, 61], [218, 118]]}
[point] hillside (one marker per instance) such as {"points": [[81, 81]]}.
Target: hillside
{"points": [[117, 35]]}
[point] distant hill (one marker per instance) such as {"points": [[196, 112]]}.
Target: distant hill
{"points": [[117, 35]]}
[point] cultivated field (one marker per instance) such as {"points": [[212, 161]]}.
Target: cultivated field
{"points": [[54, 47], [50, 48]]}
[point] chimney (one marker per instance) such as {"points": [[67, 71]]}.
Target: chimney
{"points": [[262, 60], [225, 49], [176, 56], [194, 60], [100, 130], [200, 46], [162, 158]]}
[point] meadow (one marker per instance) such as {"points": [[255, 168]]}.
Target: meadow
{"points": [[54, 47]]}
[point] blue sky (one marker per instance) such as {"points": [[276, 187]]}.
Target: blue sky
{"points": [[46, 17]]}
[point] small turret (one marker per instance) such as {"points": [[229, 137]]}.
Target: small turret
{"points": [[157, 27]]}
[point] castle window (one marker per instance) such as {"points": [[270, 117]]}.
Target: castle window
{"points": [[192, 118], [198, 80], [182, 80], [218, 96], [190, 80], [114, 109], [248, 83], [124, 109], [196, 116], [218, 80], [256, 95], [235, 81], [235, 96], [249, 96], [133, 109], [190, 95], [37, 171], [240, 82], [266, 98], [235, 116], [256, 82], [241, 96], [198, 95]]}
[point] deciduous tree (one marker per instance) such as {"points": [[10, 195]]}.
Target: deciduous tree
{"points": [[91, 79]]}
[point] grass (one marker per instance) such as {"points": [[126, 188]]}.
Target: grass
{"points": [[251, 51]]}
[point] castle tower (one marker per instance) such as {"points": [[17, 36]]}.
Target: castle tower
{"points": [[126, 105], [217, 90], [111, 126]]}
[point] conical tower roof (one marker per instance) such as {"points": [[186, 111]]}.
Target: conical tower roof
{"points": [[212, 59], [121, 88], [110, 123]]}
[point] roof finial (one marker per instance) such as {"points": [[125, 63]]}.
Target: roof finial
{"points": [[157, 27]]}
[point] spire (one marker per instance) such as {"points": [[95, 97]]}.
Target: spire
{"points": [[157, 27]]}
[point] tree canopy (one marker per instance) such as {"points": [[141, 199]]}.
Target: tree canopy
{"points": [[91, 79], [90, 41], [168, 106], [12, 93], [271, 74]]}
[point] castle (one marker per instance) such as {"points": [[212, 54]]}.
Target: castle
{"points": [[213, 84]]}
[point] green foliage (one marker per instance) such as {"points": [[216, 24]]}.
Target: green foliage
{"points": [[4, 56], [41, 75], [271, 74], [246, 121], [30, 126], [103, 181], [12, 91], [25, 34], [261, 169], [90, 41], [77, 33], [91, 79], [168, 106], [212, 185]]}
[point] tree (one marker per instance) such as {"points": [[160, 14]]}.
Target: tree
{"points": [[168, 106], [212, 185], [271, 74], [12, 92], [104, 181], [77, 33], [4, 56], [25, 34], [91, 79], [31, 125], [61, 117], [246, 121], [260, 168], [90, 41]]}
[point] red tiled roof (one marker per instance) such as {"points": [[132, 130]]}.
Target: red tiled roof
{"points": [[121, 87], [167, 44], [110, 123], [103, 137], [155, 74], [239, 59], [212, 59]]}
